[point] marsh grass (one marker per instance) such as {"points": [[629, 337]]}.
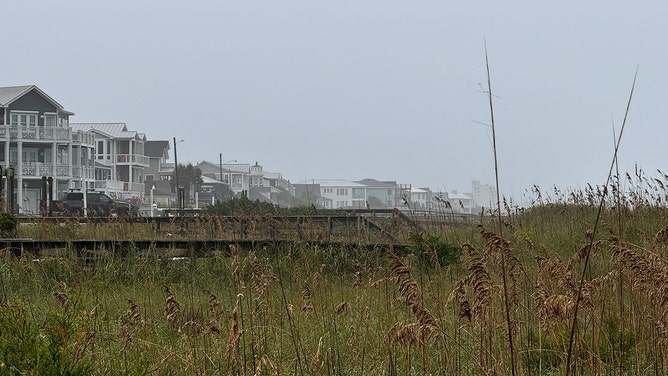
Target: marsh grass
{"points": [[304, 309]]}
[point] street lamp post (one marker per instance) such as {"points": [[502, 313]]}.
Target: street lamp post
{"points": [[179, 199]]}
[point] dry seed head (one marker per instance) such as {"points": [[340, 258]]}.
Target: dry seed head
{"points": [[341, 308], [234, 334], [265, 363], [308, 307], [306, 293], [135, 317], [317, 364], [358, 279], [61, 298], [409, 290], [191, 328], [215, 310], [172, 307], [465, 310]]}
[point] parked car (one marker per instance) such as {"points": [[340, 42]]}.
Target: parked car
{"points": [[99, 205]]}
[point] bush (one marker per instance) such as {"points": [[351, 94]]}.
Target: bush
{"points": [[7, 225], [25, 349], [424, 246]]}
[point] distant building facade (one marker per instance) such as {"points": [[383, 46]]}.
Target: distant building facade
{"points": [[119, 159], [484, 196]]}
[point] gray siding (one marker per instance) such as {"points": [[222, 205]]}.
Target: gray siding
{"points": [[32, 101]]}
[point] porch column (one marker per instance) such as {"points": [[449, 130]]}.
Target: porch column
{"points": [[19, 175], [130, 159], [69, 162], [54, 155], [7, 165]]}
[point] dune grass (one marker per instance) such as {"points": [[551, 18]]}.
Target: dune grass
{"points": [[308, 310]]}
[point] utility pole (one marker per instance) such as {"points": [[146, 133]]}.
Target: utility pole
{"points": [[176, 176], [221, 177]]}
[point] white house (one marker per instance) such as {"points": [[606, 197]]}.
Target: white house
{"points": [[340, 194], [419, 198], [119, 159]]}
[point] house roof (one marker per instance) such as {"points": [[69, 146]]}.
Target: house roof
{"points": [[114, 130], [327, 183], [208, 180], [373, 183], [155, 148], [227, 167], [9, 94], [418, 190], [459, 196]]}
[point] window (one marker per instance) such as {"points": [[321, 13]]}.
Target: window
{"points": [[62, 156], [342, 191], [102, 174], [23, 119], [49, 120], [100, 150], [29, 156]]}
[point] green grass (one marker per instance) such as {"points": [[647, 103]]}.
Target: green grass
{"points": [[306, 310]]}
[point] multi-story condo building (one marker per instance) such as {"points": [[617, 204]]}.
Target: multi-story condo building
{"points": [[484, 196], [36, 141], [340, 194], [119, 159]]}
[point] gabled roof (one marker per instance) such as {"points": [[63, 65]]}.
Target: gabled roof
{"points": [[208, 180], [373, 183], [327, 183], [417, 190], [11, 93], [114, 130], [155, 149]]}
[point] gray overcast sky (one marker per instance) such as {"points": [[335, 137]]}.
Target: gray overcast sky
{"points": [[391, 90]]}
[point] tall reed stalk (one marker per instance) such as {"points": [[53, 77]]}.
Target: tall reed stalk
{"points": [[498, 212], [593, 234]]}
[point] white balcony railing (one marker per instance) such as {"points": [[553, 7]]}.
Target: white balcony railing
{"points": [[36, 169], [39, 169], [14, 132], [136, 159]]}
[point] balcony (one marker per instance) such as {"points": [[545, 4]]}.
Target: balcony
{"points": [[134, 159], [34, 133], [38, 169], [83, 138]]}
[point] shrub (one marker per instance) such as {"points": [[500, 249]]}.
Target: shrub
{"points": [[430, 245], [7, 225]]}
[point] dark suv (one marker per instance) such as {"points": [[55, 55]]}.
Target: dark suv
{"points": [[99, 205]]}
